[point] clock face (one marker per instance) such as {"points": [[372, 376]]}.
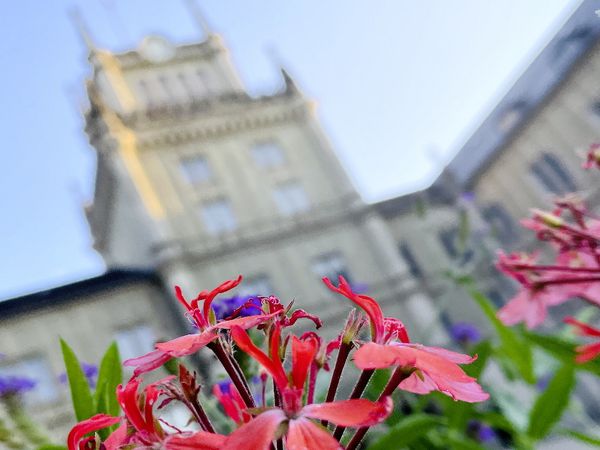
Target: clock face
{"points": [[156, 49]]}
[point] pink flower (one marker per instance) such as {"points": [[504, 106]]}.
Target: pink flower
{"points": [[200, 440], [301, 432], [231, 401], [437, 369], [587, 352], [543, 286]]}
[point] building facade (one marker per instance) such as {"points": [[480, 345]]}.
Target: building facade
{"points": [[197, 182]]}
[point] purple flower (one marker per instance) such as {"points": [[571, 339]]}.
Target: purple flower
{"points": [[465, 333], [542, 382], [480, 431], [15, 385], [90, 371], [360, 288], [226, 306]]}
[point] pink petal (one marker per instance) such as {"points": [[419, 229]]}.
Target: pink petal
{"points": [[523, 308], [304, 435], [246, 322], [455, 357], [256, 434], [147, 362], [188, 344], [350, 413], [201, 440], [377, 356], [116, 438]]}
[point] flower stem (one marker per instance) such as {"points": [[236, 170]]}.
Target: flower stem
{"points": [[238, 380], [336, 376], [558, 268], [358, 390], [399, 375]]}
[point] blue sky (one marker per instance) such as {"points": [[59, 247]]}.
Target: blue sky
{"points": [[399, 84]]}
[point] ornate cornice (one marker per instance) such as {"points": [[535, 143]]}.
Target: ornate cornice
{"points": [[182, 123]]}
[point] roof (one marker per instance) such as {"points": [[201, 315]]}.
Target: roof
{"points": [[539, 81], [75, 291]]}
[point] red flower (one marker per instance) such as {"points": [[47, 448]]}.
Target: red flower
{"points": [[232, 402], [301, 433], [589, 351], [382, 328], [204, 321], [437, 369], [200, 440], [97, 422]]}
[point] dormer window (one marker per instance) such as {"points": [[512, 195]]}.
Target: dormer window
{"points": [[552, 174]]}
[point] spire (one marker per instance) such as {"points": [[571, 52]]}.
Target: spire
{"points": [[198, 17], [81, 27], [290, 84]]}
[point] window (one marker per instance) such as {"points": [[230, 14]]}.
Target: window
{"points": [[501, 223], [258, 285], [410, 260], [331, 265], [218, 217], [135, 341], [37, 369], [291, 198], [267, 155], [196, 169], [552, 174]]}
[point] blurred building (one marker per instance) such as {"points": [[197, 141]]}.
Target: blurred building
{"points": [[198, 181]]}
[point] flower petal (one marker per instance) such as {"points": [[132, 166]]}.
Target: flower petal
{"points": [[246, 322], [201, 440], [303, 355], [84, 427], [582, 328], [587, 352], [117, 437], [368, 304], [304, 435], [256, 434], [188, 344], [274, 367], [147, 362], [350, 413]]}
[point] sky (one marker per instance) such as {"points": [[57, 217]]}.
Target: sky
{"points": [[400, 85]]}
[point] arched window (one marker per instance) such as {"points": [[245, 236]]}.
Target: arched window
{"points": [[552, 174]]}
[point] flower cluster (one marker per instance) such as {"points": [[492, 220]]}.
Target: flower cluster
{"points": [[285, 412], [573, 235], [15, 385]]}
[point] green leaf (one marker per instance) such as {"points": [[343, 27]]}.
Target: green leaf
{"points": [[109, 377], [550, 405], [483, 350], [562, 350], [592, 440], [406, 431], [51, 447], [83, 402], [511, 345]]}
